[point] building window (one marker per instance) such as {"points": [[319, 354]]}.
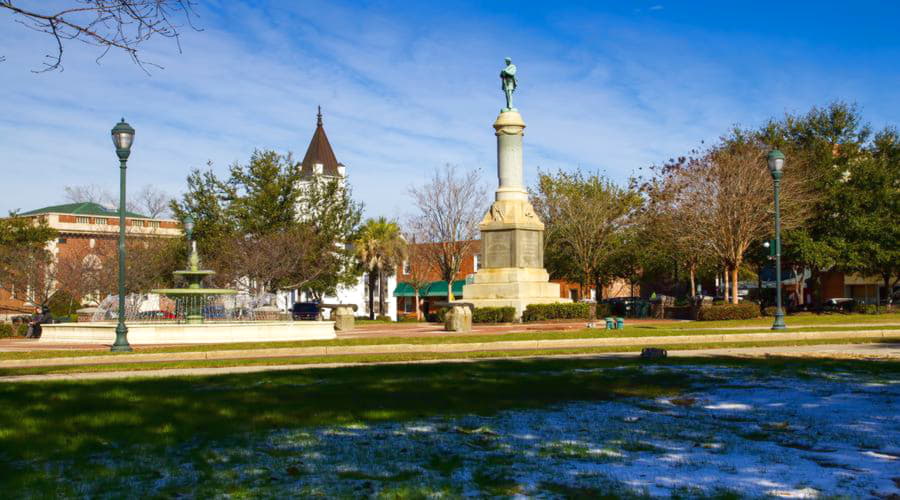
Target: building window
{"points": [[61, 240], [406, 268], [153, 223], [82, 220], [476, 263], [137, 223], [409, 304], [102, 222]]}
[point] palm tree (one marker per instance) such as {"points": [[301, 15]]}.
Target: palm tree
{"points": [[379, 247]]}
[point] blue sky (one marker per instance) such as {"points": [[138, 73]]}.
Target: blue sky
{"points": [[409, 86]]}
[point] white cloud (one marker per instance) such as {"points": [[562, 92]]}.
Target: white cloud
{"points": [[399, 98]]}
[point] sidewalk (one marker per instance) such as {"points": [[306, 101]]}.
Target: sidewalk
{"points": [[459, 347], [868, 351]]}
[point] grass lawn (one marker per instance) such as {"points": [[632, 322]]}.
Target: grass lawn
{"points": [[54, 433], [629, 331], [805, 319], [404, 357]]}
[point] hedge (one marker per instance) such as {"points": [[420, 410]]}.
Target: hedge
{"points": [[438, 316], [494, 314], [558, 310], [13, 330], [745, 310]]}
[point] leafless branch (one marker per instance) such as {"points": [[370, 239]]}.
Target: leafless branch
{"points": [[110, 24]]}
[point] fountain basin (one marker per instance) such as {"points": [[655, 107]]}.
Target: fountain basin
{"points": [[212, 332]]}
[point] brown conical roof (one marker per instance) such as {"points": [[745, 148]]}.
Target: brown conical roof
{"points": [[319, 151]]}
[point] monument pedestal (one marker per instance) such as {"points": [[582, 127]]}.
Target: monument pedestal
{"points": [[512, 236]]}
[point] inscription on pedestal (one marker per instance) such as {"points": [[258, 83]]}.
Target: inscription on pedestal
{"points": [[528, 248], [498, 249]]}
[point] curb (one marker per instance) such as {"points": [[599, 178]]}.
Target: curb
{"points": [[445, 348]]}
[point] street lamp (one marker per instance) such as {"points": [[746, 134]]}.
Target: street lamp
{"points": [[122, 137], [776, 165]]}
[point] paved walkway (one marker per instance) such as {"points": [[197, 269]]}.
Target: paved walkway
{"points": [[869, 351], [498, 345]]}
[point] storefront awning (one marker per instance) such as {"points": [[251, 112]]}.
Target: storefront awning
{"points": [[439, 289], [404, 290], [433, 289]]}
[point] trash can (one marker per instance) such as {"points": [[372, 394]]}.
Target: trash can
{"points": [[620, 323], [610, 324]]}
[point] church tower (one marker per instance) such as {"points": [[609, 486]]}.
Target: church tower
{"points": [[319, 159]]}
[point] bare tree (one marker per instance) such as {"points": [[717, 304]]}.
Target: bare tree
{"points": [[418, 268], [732, 187], [90, 193], [674, 220], [450, 206], [78, 273], [287, 259], [152, 202], [149, 201], [108, 24]]}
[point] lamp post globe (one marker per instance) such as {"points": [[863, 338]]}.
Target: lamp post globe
{"points": [[123, 138], [189, 227], [775, 160]]}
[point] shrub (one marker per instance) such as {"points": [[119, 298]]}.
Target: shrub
{"points": [[860, 308], [494, 314], [745, 310], [382, 317], [558, 310], [769, 311], [13, 330], [437, 317], [604, 310], [62, 304]]}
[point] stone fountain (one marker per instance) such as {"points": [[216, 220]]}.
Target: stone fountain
{"points": [[191, 301]]}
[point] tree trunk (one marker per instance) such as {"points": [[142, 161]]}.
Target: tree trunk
{"points": [[418, 309], [381, 294], [693, 281], [371, 278], [725, 288], [734, 284], [888, 291], [817, 288]]}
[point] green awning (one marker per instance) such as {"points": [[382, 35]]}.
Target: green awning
{"points": [[433, 289], [405, 290], [439, 289]]}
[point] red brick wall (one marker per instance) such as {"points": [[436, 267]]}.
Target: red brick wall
{"points": [[832, 285]]}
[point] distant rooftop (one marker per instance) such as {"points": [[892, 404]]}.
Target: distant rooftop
{"points": [[319, 151], [84, 208]]}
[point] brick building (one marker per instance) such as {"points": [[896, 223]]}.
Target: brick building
{"points": [[85, 230]]}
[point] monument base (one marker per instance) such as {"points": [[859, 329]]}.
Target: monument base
{"points": [[512, 287]]}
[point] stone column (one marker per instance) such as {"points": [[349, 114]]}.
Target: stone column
{"points": [[509, 129], [512, 236]]}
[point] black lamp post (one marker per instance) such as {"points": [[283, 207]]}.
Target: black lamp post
{"points": [[776, 165], [122, 137]]}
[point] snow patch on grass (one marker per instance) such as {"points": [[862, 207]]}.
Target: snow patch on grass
{"points": [[739, 430]]}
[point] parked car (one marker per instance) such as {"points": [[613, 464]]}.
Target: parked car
{"points": [[152, 315], [843, 304], [305, 311]]}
